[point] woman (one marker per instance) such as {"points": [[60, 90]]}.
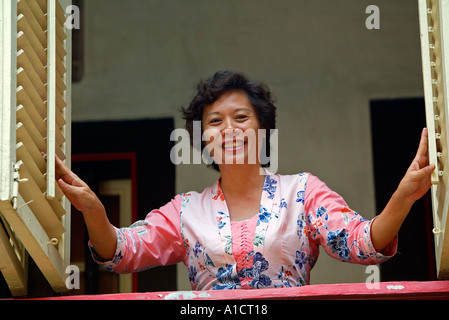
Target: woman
{"points": [[248, 230]]}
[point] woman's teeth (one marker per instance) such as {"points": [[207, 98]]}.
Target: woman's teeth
{"points": [[233, 145]]}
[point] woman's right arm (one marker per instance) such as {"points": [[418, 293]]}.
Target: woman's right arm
{"points": [[102, 234]]}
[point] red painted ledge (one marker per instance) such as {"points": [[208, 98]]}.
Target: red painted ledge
{"points": [[385, 290]]}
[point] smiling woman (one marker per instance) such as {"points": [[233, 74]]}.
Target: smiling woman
{"points": [[248, 230]]}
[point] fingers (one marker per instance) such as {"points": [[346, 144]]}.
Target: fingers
{"points": [[63, 172], [73, 189], [424, 173], [76, 195], [422, 155], [60, 167], [423, 144], [65, 187], [69, 191]]}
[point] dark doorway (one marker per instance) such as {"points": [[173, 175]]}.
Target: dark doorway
{"points": [[396, 129]]}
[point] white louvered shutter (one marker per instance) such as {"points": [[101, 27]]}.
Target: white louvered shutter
{"points": [[434, 29], [35, 118]]}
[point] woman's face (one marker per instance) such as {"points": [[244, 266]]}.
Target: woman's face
{"points": [[231, 129]]}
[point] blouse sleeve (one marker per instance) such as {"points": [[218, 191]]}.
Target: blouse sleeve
{"points": [[147, 243], [342, 232]]}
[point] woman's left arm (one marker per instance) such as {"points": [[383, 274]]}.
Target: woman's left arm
{"points": [[413, 186]]}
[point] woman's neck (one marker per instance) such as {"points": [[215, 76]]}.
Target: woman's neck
{"points": [[241, 180]]}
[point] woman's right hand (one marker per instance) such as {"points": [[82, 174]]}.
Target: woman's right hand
{"points": [[101, 232], [75, 189]]}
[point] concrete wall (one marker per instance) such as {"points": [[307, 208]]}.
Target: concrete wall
{"points": [[143, 58]]}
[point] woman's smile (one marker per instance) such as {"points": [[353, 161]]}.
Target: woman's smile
{"points": [[233, 145]]}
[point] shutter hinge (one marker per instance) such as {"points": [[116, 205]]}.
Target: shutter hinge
{"points": [[15, 185]]}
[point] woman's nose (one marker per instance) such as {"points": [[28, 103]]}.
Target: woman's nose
{"points": [[231, 131], [228, 126]]}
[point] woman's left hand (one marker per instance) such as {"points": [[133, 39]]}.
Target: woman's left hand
{"points": [[416, 181]]}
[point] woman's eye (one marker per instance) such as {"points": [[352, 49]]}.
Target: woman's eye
{"points": [[240, 117], [215, 120]]}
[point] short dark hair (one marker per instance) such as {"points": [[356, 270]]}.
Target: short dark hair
{"points": [[210, 90]]}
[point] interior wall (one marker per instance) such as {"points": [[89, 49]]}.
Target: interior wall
{"points": [[143, 59]]}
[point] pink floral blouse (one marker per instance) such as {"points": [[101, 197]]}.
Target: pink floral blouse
{"points": [[276, 248]]}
